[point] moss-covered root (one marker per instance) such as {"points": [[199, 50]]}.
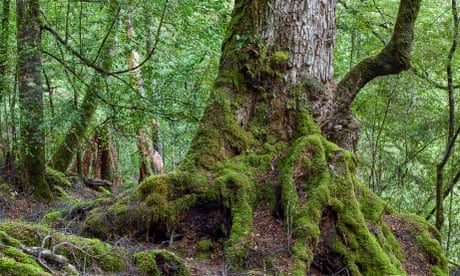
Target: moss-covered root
{"points": [[237, 192], [159, 262], [318, 185], [152, 209], [84, 254]]}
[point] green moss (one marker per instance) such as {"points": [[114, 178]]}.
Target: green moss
{"points": [[330, 184], [305, 124], [8, 240], [237, 192], [204, 246], [429, 245], [94, 252], [280, 57], [146, 264], [159, 262], [204, 249], [5, 189], [9, 266], [56, 178]]}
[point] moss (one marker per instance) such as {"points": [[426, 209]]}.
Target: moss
{"points": [[389, 243], [82, 251], [97, 224], [438, 271], [303, 221], [204, 246], [51, 217], [56, 178], [5, 189], [305, 124], [219, 137], [280, 57], [8, 240], [238, 193], [427, 238], [146, 264], [330, 184], [372, 207], [160, 199], [159, 262], [204, 249], [10, 266]]}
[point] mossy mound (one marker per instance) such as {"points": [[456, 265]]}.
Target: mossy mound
{"points": [[85, 254]]}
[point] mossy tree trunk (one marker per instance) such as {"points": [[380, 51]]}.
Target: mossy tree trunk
{"points": [[264, 138], [31, 97]]}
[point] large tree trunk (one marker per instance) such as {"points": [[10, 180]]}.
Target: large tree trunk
{"points": [[31, 97], [262, 140]]}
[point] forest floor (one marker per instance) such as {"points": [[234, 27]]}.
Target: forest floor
{"points": [[269, 238]]}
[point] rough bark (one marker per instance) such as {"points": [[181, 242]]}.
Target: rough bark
{"points": [[31, 97], [258, 145]]}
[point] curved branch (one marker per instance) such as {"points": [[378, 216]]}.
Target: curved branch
{"points": [[393, 58]]}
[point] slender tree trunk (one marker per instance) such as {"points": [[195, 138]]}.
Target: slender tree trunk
{"points": [[31, 97]]}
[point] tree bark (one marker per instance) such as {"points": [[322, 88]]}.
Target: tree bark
{"points": [[31, 97]]}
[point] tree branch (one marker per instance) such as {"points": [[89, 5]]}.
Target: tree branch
{"points": [[392, 59]]}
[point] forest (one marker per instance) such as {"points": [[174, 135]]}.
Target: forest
{"points": [[229, 137]]}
